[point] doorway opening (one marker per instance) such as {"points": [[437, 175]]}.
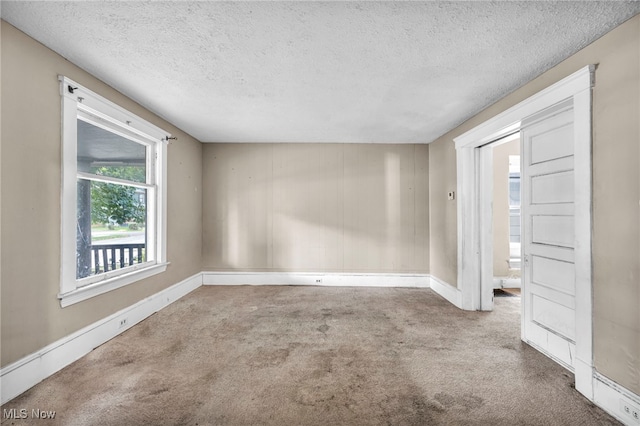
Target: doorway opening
{"points": [[550, 219], [506, 216], [504, 244]]}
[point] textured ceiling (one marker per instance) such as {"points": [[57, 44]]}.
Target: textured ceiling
{"points": [[392, 72]]}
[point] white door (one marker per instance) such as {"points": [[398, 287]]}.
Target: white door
{"points": [[549, 274]]}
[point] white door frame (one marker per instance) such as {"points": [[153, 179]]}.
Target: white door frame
{"points": [[474, 207]]}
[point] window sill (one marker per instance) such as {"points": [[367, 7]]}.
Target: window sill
{"points": [[92, 290]]}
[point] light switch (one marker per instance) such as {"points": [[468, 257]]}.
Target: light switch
{"points": [[451, 195]]}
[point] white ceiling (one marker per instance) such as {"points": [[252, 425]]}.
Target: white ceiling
{"points": [[375, 72]]}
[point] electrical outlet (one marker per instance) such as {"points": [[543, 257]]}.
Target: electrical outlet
{"points": [[318, 280], [123, 322], [630, 411]]}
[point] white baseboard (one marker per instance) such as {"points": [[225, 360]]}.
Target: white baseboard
{"points": [[613, 398], [583, 375], [317, 279], [21, 375], [506, 282], [449, 292]]}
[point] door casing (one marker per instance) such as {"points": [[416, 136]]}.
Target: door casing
{"points": [[474, 172]]}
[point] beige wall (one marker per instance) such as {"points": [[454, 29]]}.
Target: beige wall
{"points": [[442, 212], [31, 155], [616, 192], [316, 207], [501, 252]]}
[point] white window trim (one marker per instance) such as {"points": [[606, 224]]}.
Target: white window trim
{"points": [[82, 100]]}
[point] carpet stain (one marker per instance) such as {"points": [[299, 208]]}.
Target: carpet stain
{"points": [[150, 385], [124, 361], [315, 396], [411, 410], [465, 403], [445, 399], [175, 348], [265, 357], [294, 314], [439, 348], [144, 329], [322, 363], [323, 328], [470, 402], [326, 312], [210, 376], [158, 391]]}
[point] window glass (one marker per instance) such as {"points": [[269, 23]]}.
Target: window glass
{"points": [[514, 198], [111, 216], [104, 153], [514, 189]]}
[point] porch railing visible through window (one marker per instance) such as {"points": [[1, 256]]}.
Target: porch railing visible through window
{"points": [[109, 257]]}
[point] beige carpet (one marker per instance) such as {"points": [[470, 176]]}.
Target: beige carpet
{"points": [[315, 356]]}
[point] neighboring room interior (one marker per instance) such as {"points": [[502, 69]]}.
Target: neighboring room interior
{"points": [[506, 213], [300, 208]]}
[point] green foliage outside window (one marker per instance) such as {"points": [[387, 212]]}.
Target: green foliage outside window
{"points": [[118, 203]]}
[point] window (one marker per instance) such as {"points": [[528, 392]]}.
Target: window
{"points": [[514, 205], [113, 196]]}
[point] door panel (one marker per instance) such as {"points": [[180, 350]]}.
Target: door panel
{"points": [[563, 350], [557, 143], [554, 274], [562, 299], [554, 316], [548, 219], [552, 188], [552, 230]]}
